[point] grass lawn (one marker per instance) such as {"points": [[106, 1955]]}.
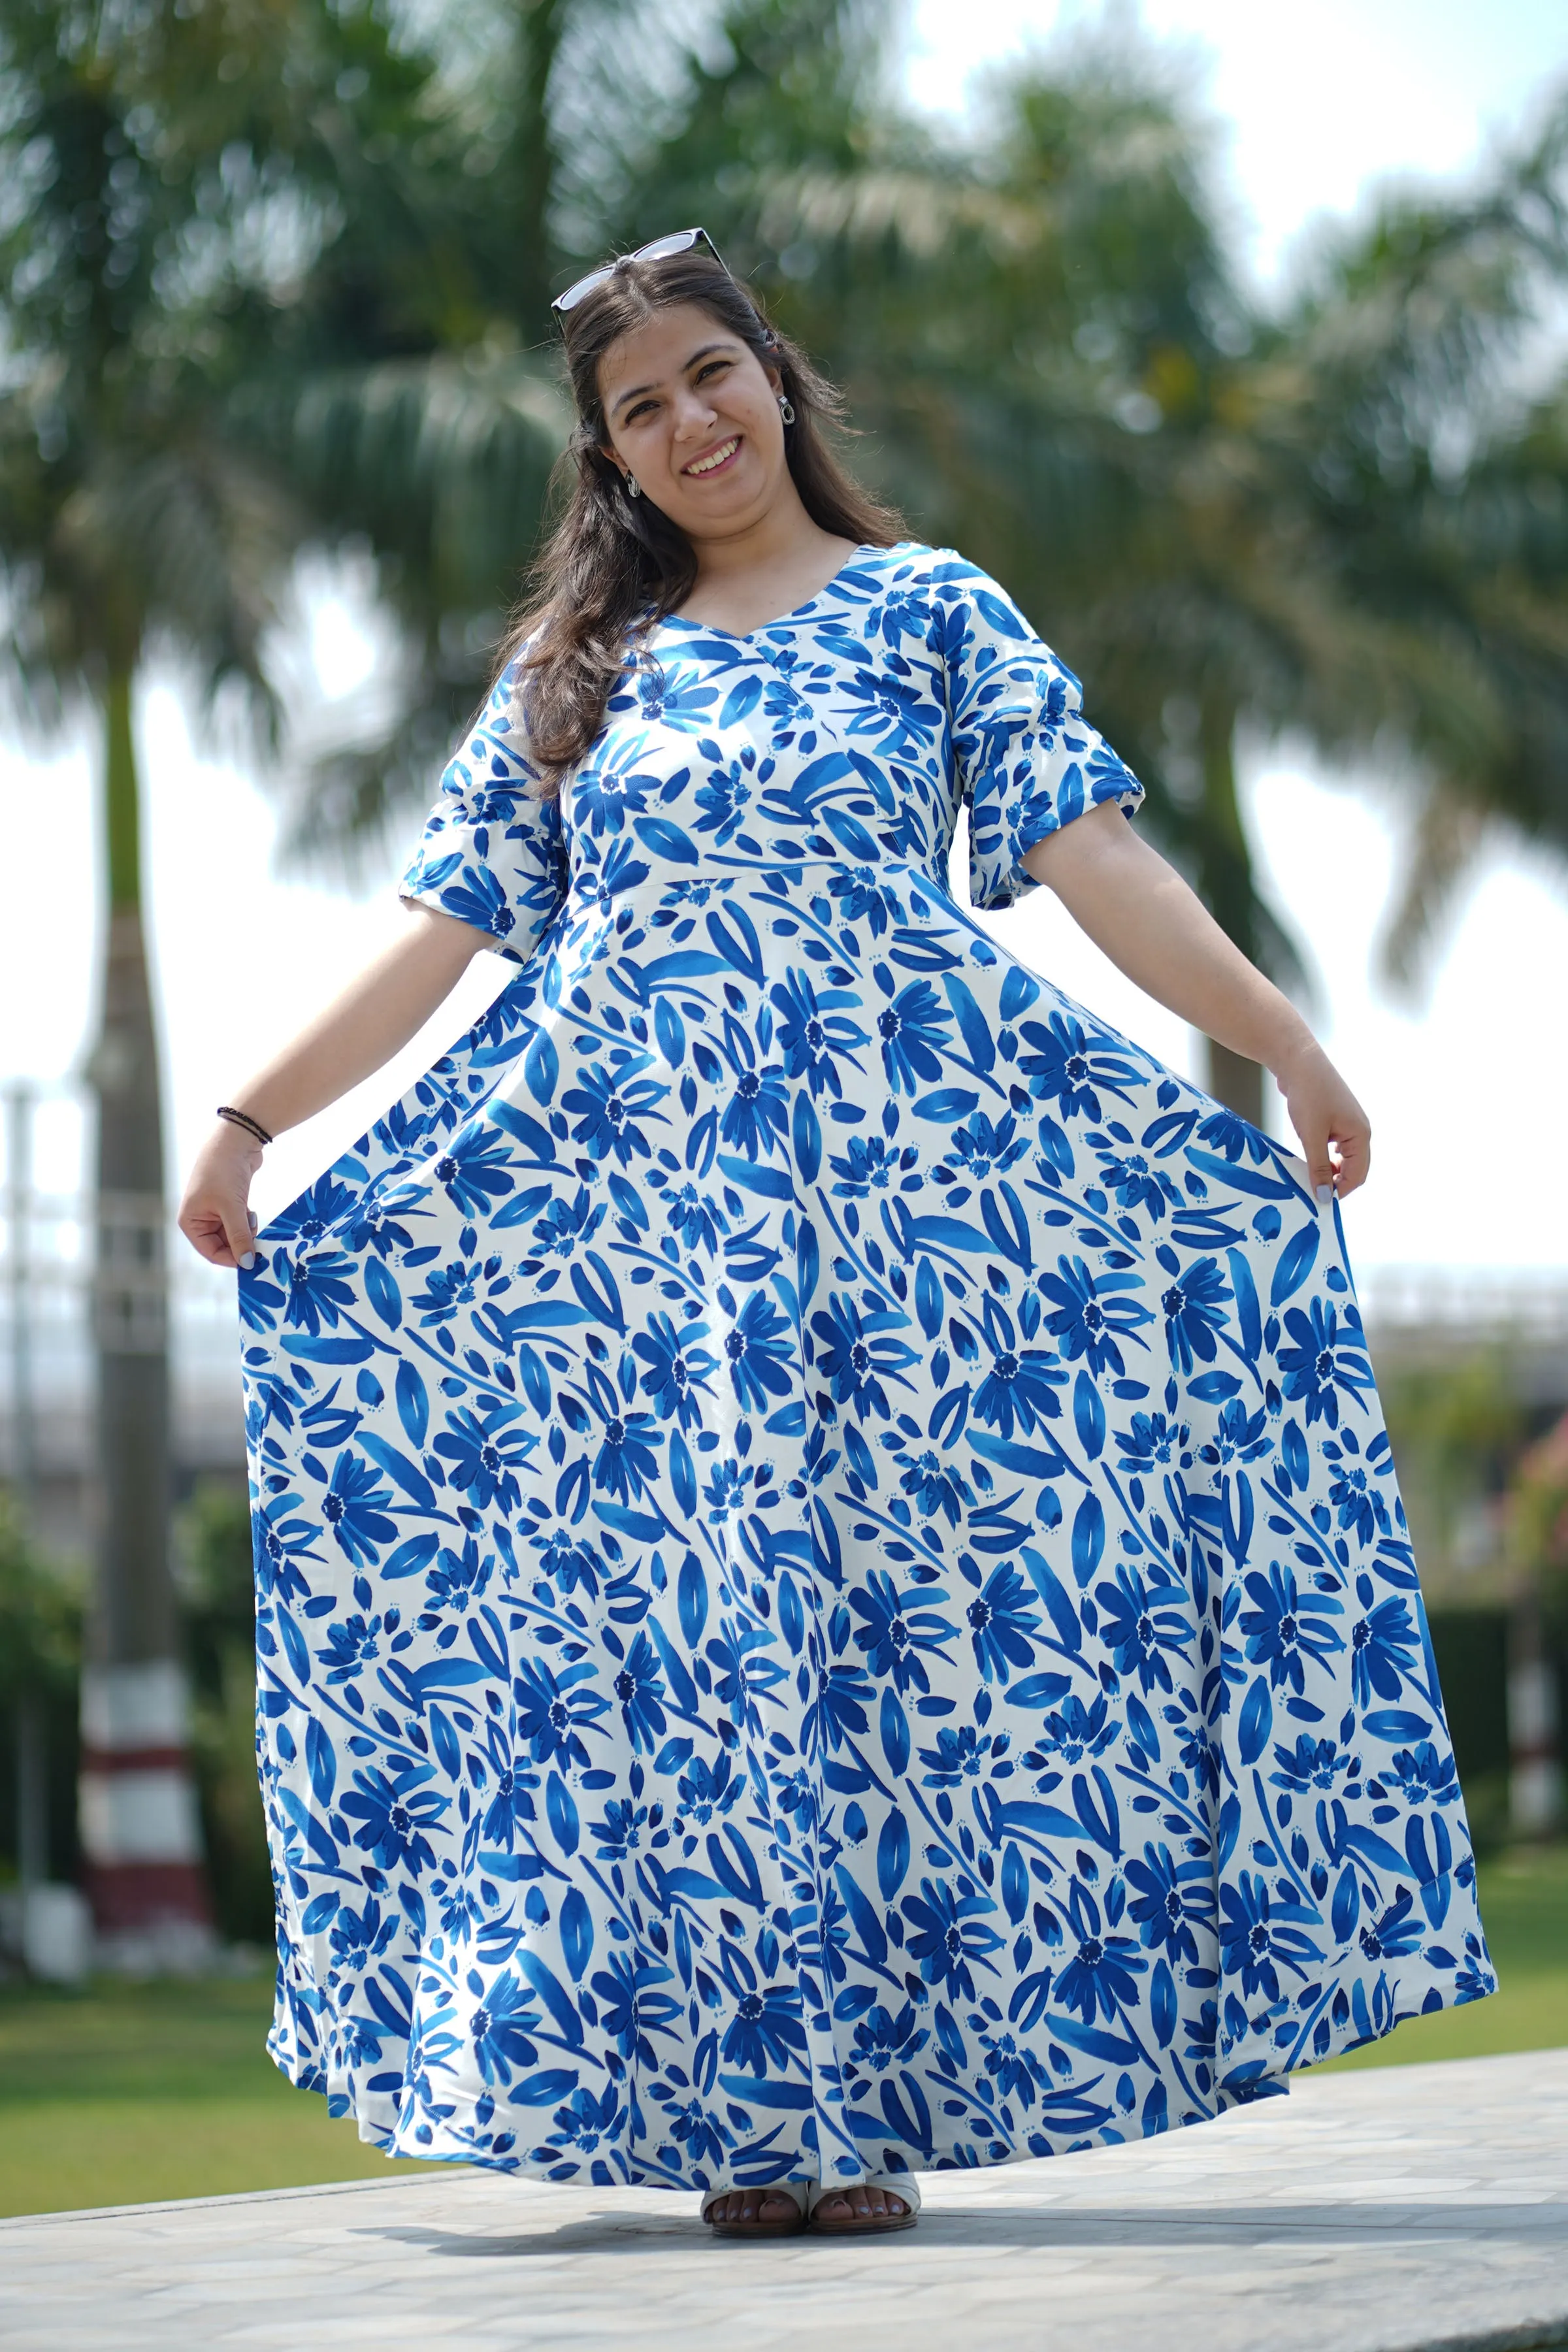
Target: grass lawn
{"points": [[125, 2093]]}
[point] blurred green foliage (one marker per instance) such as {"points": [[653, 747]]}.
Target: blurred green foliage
{"points": [[219, 1612], [40, 1661]]}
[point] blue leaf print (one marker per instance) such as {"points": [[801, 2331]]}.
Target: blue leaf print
{"points": [[1296, 1262], [892, 1856], [541, 1067], [1257, 1721], [1089, 1416], [775, 1490], [577, 1933], [666, 840], [1088, 1539], [559, 1805], [412, 1402]]}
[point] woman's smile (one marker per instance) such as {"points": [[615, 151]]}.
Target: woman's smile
{"points": [[715, 459]]}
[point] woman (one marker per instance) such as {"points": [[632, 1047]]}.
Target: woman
{"points": [[831, 1595]]}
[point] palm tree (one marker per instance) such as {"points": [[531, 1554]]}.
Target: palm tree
{"points": [[1329, 522], [129, 529]]}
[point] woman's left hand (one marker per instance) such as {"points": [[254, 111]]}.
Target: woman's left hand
{"points": [[1335, 1132]]}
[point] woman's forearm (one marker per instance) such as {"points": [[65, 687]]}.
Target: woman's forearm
{"points": [[1155, 929], [373, 1018]]}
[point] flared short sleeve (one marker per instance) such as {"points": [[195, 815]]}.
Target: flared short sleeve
{"points": [[492, 853], [1028, 760]]}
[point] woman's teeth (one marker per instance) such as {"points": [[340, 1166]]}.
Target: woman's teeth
{"points": [[706, 465]]}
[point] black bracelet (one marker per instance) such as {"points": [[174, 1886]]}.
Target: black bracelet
{"points": [[243, 1119]]}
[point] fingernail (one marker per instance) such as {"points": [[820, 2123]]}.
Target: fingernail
{"points": [[1325, 1194], [249, 1260]]}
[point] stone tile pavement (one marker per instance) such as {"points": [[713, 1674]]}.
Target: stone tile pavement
{"points": [[1396, 2211]]}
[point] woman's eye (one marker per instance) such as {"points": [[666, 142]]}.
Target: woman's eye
{"points": [[712, 366]]}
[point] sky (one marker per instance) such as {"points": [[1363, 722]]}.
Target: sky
{"points": [[1321, 102]]}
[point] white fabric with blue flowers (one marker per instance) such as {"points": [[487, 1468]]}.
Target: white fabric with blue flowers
{"points": [[832, 1598]]}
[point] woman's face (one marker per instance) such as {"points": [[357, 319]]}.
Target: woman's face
{"points": [[693, 416]]}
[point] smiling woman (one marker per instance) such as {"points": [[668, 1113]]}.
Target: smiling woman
{"points": [[832, 1597]]}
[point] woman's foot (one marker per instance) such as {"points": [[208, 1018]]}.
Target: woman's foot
{"points": [[754, 2213], [863, 2210]]}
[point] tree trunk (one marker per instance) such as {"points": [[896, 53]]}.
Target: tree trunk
{"points": [[541, 26], [138, 1811], [1224, 885]]}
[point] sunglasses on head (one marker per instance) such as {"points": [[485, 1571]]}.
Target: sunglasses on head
{"points": [[680, 240]]}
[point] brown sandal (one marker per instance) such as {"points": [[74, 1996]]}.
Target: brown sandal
{"points": [[901, 2185], [797, 2191]]}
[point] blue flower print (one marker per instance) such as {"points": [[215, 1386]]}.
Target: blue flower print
{"points": [[1001, 1622], [1287, 1625], [1145, 1627], [553, 1711], [675, 1369], [1102, 1977], [948, 1935], [1247, 1934], [1384, 1645], [1194, 1307], [1152, 1439], [766, 2031], [475, 1171], [760, 1353], [1423, 1776], [1319, 1364], [897, 1628], [1073, 1732], [1068, 1063], [1168, 1897], [856, 1353], [1241, 1436], [638, 1690], [830, 1583], [756, 1115], [566, 1224], [883, 2040], [1087, 1314], [318, 1288], [394, 1811], [486, 1455], [864, 895], [872, 1165], [915, 1031], [502, 2028], [1019, 1392], [356, 1509], [606, 1107], [816, 1033]]}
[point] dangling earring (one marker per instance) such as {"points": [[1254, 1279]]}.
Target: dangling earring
{"points": [[632, 490], [786, 408]]}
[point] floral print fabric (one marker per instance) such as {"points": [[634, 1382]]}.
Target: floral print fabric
{"points": [[831, 1592]]}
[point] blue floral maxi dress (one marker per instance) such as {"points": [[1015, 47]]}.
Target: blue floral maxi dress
{"points": [[831, 1592]]}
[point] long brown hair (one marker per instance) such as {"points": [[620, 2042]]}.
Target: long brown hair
{"points": [[614, 566]]}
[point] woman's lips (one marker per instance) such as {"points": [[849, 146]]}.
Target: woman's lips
{"points": [[703, 469]]}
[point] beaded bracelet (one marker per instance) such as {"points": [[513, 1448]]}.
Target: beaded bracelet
{"points": [[243, 1119]]}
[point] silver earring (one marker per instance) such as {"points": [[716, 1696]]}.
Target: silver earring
{"points": [[786, 408], [632, 490]]}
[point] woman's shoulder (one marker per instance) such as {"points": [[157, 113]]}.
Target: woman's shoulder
{"points": [[910, 566]]}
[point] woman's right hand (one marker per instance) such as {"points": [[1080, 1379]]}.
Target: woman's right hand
{"points": [[214, 1214]]}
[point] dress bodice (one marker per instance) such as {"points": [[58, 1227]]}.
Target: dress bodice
{"points": [[847, 733]]}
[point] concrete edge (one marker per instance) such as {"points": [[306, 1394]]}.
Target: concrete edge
{"points": [[1523, 2336], [248, 2197]]}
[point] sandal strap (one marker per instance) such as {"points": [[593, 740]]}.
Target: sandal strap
{"points": [[899, 2184], [797, 2191]]}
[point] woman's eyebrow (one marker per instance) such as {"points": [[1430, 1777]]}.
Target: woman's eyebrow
{"points": [[637, 390]]}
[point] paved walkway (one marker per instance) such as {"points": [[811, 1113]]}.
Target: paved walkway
{"points": [[1396, 2211]]}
